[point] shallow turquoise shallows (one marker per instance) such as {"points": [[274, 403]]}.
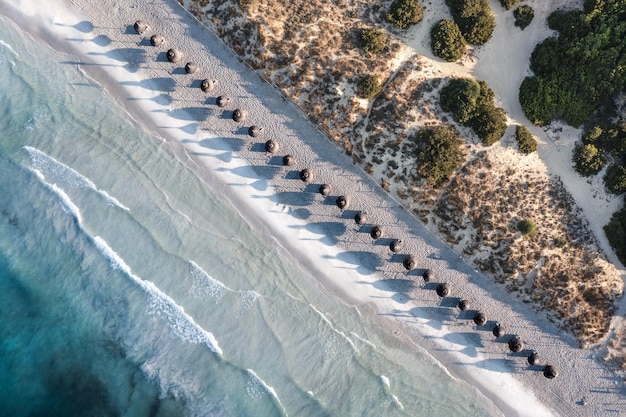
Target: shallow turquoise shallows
{"points": [[130, 287]]}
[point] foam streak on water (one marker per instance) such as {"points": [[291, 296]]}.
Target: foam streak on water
{"points": [[67, 176], [256, 388], [180, 322]]}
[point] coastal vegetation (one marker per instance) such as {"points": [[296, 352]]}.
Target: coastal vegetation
{"points": [[616, 233], [507, 4], [525, 140], [446, 40], [368, 86], [472, 104], [523, 16], [587, 160], [405, 13], [474, 18], [438, 154], [527, 228], [373, 40]]}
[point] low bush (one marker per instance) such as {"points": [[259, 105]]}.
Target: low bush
{"points": [[474, 18], [446, 40], [523, 16], [507, 4], [472, 104], [438, 154], [615, 232], [527, 227], [368, 86], [615, 179], [525, 140], [588, 160], [373, 40], [404, 13]]}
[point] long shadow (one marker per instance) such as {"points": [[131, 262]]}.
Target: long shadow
{"points": [[190, 128], [395, 285], [367, 262], [100, 40], [223, 144], [295, 198], [506, 366], [154, 84], [195, 114], [161, 99], [135, 55]]}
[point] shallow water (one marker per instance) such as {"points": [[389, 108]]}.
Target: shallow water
{"points": [[132, 287]]}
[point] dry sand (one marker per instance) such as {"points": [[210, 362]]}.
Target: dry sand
{"points": [[168, 102]]}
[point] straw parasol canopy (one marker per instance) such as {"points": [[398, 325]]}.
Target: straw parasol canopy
{"points": [[191, 67], [463, 304], [409, 262], [342, 202], [516, 344], [174, 55], [396, 245], [222, 101], [480, 319], [271, 146], [498, 330], [156, 40], [289, 160], [306, 175], [376, 232], [325, 189], [427, 275], [206, 85], [253, 131], [140, 26], [360, 218], [239, 115], [550, 372], [443, 290], [533, 358]]}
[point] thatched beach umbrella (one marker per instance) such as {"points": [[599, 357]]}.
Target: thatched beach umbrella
{"points": [[156, 40], [342, 202], [222, 101], [463, 304], [360, 218], [140, 26], [533, 358], [550, 372], [498, 330], [207, 85], [443, 290], [396, 245], [325, 189], [409, 262], [174, 55], [289, 160], [306, 175], [271, 146], [239, 115], [427, 275], [516, 344], [479, 319], [254, 131], [376, 232], [191, 67]]}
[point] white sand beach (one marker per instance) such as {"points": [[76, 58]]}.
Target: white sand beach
{"points": [[168, 102]]}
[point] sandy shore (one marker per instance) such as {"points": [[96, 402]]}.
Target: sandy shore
{"points": [[169, 103]]}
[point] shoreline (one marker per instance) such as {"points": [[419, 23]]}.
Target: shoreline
{"points": [[380, 206]]}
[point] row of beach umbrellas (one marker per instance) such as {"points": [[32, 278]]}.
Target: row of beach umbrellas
{"points": [[443, 290]]}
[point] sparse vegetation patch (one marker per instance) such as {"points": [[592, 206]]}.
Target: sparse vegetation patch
{"points": [[523, 16], [404, 13], [438, 154], [525, 140], [373, 40], [367, 86]]}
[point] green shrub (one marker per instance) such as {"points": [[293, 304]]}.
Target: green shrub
{"points": [[474, 18], [525, 140], [472, 104], [446, 40], [615, 179], [588, 160], [438, 154], [527, 227], [523, 16], [507, 4], [246, 4], [373, 40], [368, 86], [404, 13], [615, 232], [560, 242]]}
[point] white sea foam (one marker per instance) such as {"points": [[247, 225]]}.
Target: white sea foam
{"points": [[67, 204], [257, 388], [387, 386], [9, 48], [66, 175], [181, 323], [205, 284], [339, 332]]}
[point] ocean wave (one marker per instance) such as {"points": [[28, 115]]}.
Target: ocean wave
{"points": [[257, 388], [387, 387], [339, 332], [9, 48], [181, 324], [66, 175], [205, 284], [67, 204]]}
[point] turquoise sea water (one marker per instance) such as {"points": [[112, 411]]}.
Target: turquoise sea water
{"points": [[131, 287]]}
